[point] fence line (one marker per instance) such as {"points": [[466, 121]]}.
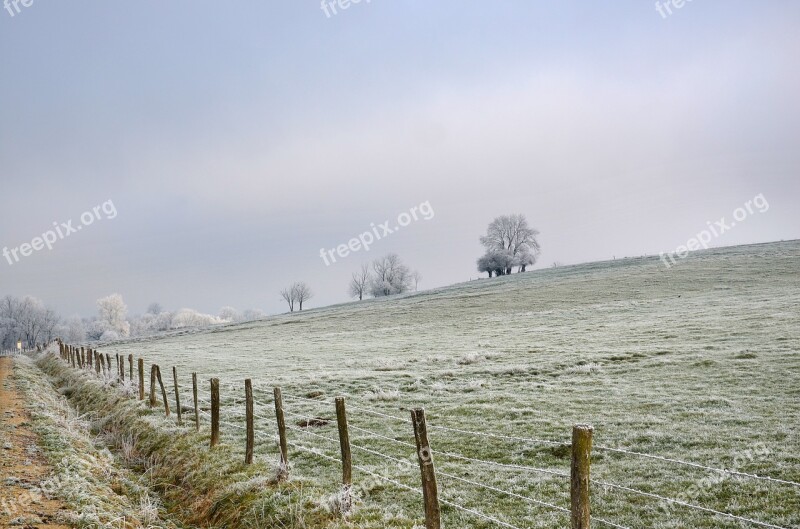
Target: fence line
{"points": [[95, 363]]}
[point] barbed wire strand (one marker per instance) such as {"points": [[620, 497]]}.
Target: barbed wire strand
{"points": [[497, 436], [697, 465], [685, 504], [353, 445], [502, 465]]}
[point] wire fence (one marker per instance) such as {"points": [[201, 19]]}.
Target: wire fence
{"points": [[239, 415]]}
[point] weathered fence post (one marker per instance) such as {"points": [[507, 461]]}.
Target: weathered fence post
{"points": [[89, 358], [196, 407], [283, 471], [141, 378], [102, 363], [177, 395], [214, 412], [248, 398], [347, 459], [96, 362], [121, 362], [108, 363], [153, 369], [130, 363], [80, 358], [430, 492], [579, 486], [163, 391]]}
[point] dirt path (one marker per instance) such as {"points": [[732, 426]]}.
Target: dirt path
{"points": [[22, 466]]}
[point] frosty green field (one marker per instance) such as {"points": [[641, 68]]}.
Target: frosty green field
{"points": [[698, 362]]}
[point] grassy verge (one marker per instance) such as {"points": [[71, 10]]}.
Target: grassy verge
{"points": [[86, 475], [197, 485]]}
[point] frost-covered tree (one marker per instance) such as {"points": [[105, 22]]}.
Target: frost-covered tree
{"points": [[496, 262], [511, 233], [25, 319], [524, 259], [359, 282], [155, 308], [230, 314], [252, 314], [75, 331], [109, 336], [389, 276], [185, 318], [112, 313]]}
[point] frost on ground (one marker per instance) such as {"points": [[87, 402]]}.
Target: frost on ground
{"points": [[697, 362]]}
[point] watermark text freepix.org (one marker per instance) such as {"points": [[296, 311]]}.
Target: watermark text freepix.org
{"points": [[716, 229], [366, 239], [665, 8], [12, 6], [329, 6], [61, 230]]}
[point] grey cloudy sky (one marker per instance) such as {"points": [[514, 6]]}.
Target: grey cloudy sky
{"points": [[236, 140]]}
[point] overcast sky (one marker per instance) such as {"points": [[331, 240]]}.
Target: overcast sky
{"points": [[237, 139]]}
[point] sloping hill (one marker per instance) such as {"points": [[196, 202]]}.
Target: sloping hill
{"points": [[696, 362]]}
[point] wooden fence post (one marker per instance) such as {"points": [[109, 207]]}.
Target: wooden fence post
{"points": [[80, 358], [430, 492], [163, 391], [108, 363], [347, 459], [196, 407], [153, 369], [96, 362], [283, 471], [121, 363], [89, 358], [102, 363], [214, 412], [579, 483], [177, 395], [248, 398], [130, 363], [141, 378]]}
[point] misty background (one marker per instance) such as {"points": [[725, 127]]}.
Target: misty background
{"points": [[237, 140]]}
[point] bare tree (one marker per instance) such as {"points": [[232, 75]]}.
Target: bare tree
{"points": [[288, 296], [416, 277], [359, 282], [296, 294], [302, 293], [155, 308]]}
